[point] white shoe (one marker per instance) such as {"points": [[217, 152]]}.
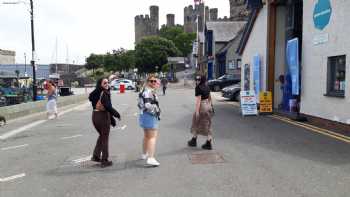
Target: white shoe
{"points": [[152, 162], [144, 156]]}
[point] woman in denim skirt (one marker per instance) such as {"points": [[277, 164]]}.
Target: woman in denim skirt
{"points": [[148, 120]]}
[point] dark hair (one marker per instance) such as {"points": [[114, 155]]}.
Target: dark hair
{"points": [[202, 79], [52, 83], [98, 84]]}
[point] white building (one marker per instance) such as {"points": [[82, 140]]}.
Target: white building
{"points": [[302, 48], [7, 57]]}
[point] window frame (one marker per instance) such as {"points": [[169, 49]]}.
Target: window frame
{"points": [[331, 69]]}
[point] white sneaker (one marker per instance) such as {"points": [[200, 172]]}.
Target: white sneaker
{"points": [[144, 156], [152, 162]]}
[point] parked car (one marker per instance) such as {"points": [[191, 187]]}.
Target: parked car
{"points": [[129, 85], [223, 81], [232, 92]]}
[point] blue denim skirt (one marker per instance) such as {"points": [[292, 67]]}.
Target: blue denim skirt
{"points": [[148, 121]]}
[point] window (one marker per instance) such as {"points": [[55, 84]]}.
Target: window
{"points": [[336, 76], [239, 63]]}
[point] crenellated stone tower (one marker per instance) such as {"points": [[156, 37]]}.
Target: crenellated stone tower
{"points": [[238, 10], [170, 20], [190, 17], [147, 25]]}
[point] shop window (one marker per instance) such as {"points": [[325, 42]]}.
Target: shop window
{"points": [[239, 63], [336, 76]]}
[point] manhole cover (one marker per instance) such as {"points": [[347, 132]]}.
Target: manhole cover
{"points": [[206, 157]]}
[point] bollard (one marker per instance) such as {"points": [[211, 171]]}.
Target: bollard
{"points": [[122, 88]]}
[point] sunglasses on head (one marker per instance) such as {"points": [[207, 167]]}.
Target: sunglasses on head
{"points": [[152, 81]]}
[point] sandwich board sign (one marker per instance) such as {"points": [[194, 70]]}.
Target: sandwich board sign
{"points": [[248, 103]]}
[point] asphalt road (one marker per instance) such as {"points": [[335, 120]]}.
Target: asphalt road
{"points": [[252, 156]]}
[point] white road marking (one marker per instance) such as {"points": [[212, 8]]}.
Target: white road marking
{"points": [[14, 147], [87, 158], [12, 177], [123, 127], [34, 124], [21, 129], [70, 137]]}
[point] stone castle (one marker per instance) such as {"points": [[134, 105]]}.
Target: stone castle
{"points": [[238, 12], [148, 25]]}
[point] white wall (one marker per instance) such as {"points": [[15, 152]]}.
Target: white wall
{"points": [[257, 44], [7, 59], [314, 61]]}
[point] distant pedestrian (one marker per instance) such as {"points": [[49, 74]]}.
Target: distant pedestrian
{"points": [[102, 117], [149, 119], [201, 122], [164, 83], [51, 106]]}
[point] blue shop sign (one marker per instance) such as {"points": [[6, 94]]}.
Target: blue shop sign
{"points": [[322, 14]]}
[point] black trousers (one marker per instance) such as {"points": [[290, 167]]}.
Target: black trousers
{"points": [[102, 123], [164, 89]]}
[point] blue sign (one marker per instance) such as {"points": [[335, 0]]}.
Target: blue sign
{"points": [[322, 14], [293, 64]]}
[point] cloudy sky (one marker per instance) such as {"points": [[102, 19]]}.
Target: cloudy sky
{"points": [[81, 27]]}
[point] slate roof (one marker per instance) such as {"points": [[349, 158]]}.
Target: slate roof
{"points": [[224, 31]]}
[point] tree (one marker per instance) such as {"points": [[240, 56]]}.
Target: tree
{"points": [[182, 40], [153, 52], [94, 61]]}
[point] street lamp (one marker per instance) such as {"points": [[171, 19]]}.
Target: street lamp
{"points": [[33, 43]]}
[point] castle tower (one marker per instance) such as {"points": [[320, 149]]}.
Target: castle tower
{"points": [[189, 19], [147, 25], [213, 16], [238, 10], [154, 12], [170, 20]]}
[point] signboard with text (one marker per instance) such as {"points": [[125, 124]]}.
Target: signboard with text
{"points": [[265, 102], [248, 103]]}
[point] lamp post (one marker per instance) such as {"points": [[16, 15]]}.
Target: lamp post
{"points": [[32, 62]]}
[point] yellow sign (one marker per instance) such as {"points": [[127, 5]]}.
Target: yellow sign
{"points": [[265, 102]]}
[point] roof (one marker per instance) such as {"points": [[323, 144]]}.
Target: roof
{"points": [[224, 31], [231, 42]]}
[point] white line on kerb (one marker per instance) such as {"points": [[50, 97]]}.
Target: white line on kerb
{"points": [[70, 137], [21, 129], [14, 147], [12, 177]]}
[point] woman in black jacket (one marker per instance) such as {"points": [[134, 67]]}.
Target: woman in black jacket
{"points": [[102, 118]]}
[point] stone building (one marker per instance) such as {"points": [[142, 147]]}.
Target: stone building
{"points": [[238, 10], [147, 25], [7, 57], [170, 20]]}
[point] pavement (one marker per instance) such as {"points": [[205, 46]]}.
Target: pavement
{"points": [[252, 156]]}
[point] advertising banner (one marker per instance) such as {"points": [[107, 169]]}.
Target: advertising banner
{"points": [[293, 64], [256, 74]]}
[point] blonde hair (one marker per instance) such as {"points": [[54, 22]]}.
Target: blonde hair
{"points": [[149, 77]]}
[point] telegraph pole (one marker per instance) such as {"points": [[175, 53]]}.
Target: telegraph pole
{"points": [[33, 50]]}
